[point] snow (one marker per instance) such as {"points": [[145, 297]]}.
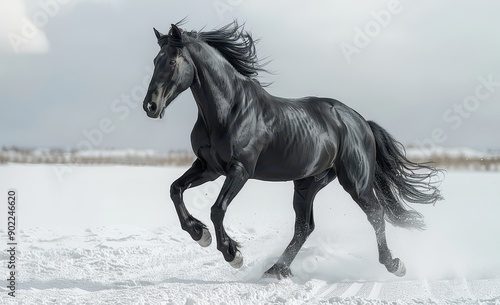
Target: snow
{"points": [[110, 235]]}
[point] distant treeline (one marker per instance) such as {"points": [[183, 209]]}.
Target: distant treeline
{"points": [[104, 157], [456, 159], [442, 158]]}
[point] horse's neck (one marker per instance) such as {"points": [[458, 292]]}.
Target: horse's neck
{"points": [[217, 87]]}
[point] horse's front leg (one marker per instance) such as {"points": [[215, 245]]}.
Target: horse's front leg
{"points": [[195, 176], [236, 177]]}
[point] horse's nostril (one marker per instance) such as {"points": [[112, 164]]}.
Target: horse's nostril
{"points": [[152, 107]]}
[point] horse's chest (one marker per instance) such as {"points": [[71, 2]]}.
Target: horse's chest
{"points": [[214, 158], [214, 150]]}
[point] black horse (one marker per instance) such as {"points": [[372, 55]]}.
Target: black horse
{"points": [[243, 132]]}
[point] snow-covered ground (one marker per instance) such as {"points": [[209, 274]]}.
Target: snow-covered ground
{"points": [[110, 235]]}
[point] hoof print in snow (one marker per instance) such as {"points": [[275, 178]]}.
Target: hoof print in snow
{"points": [[278, 271]]}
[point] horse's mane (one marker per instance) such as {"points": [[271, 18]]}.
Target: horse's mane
{"points": [[236, 45]]}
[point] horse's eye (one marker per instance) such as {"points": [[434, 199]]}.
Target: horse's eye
{"points": [[172, 62]]}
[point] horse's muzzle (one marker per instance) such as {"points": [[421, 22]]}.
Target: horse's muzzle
{"points": [[151, 109]]}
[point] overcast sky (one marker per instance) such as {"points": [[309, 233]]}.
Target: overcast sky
{"points": [[72, 72]]}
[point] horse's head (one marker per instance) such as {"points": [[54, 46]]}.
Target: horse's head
{"points": [[174, 72]]}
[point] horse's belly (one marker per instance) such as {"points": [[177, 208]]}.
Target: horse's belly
{"points": [[293, 162]]}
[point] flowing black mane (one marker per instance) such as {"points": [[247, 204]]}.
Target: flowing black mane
{"points": [[236, 45]]}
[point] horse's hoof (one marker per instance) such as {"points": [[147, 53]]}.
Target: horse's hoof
{"points": [[237, 262], [278, 271], [399, 268], [206, 238]]}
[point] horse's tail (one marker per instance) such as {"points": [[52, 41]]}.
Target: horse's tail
{"points": [[399, 180]]}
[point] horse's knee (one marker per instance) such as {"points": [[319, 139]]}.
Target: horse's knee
{"points": [[175, 191], [216, 214]]}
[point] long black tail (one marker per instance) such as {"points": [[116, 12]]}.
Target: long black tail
{"points": [[399, 180]]}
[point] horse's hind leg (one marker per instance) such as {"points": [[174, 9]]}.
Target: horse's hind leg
{"points": [[365, 198], [195, 176], [375, 214], [304, 193]]}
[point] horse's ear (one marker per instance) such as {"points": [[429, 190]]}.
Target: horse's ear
{"points": [[176, 33], [158, 34]]}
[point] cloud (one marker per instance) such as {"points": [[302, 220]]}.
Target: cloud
{"points": [[18, 32]]}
